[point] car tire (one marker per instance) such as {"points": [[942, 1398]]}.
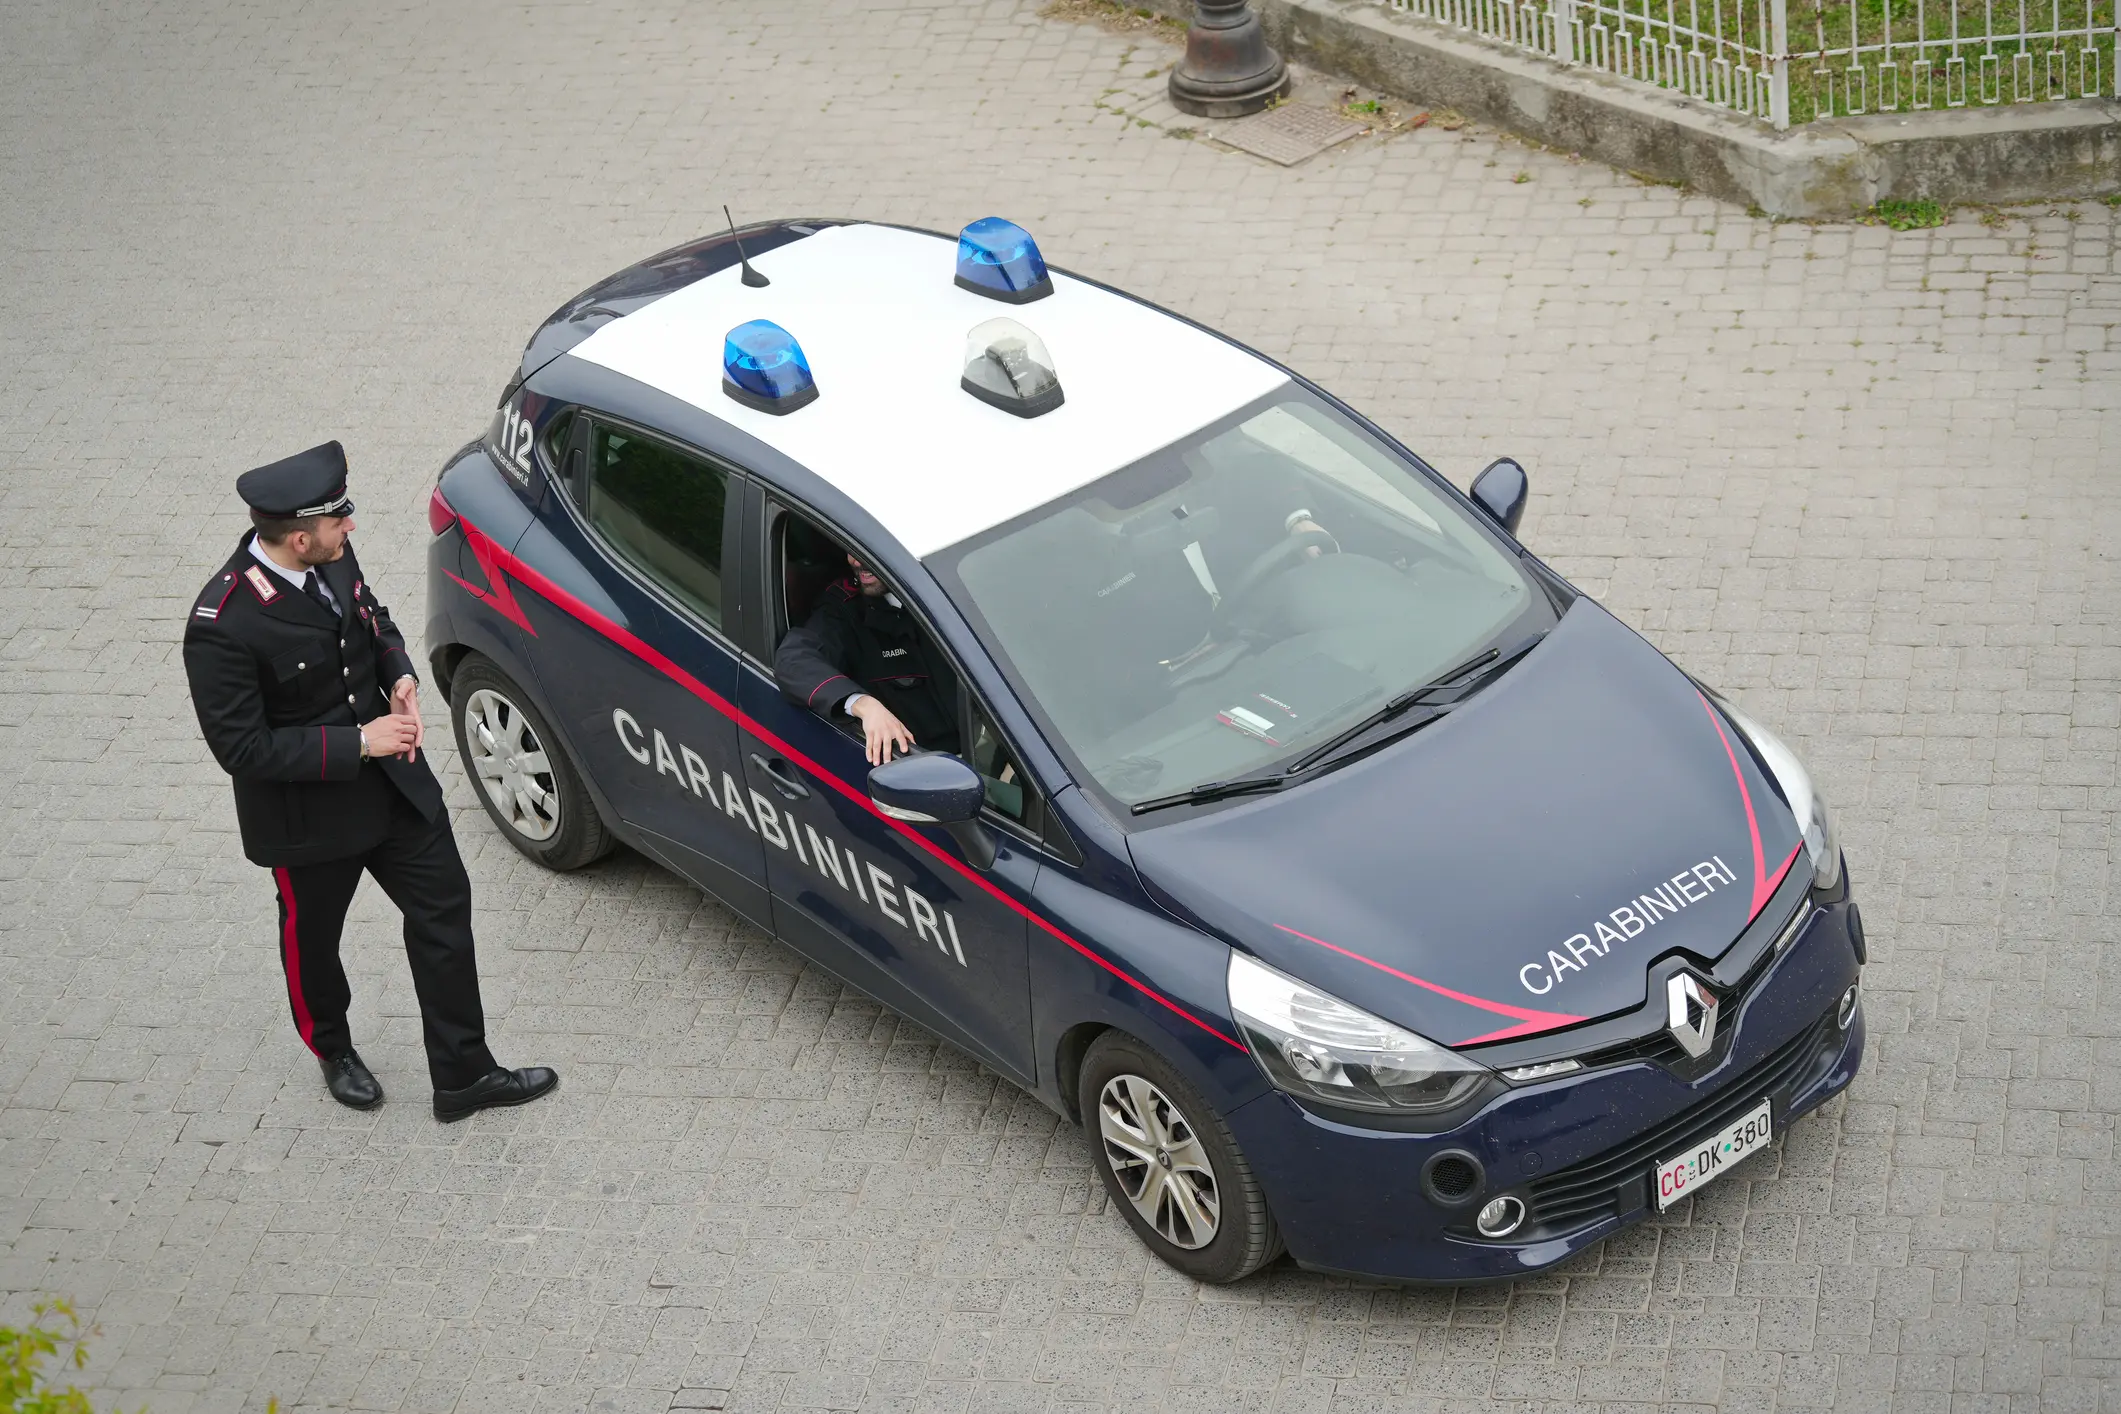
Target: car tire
{"points": [[520, 772], [1171, 1165]]}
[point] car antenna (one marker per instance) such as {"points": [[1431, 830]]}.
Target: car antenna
{"points": [[751, 277]]}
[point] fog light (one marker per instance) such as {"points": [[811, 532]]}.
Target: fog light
{"points": [[1501, 1217], [1847, 1013]]}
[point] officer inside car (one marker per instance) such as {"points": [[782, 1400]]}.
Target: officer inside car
{"points": [[862, 655], [308, 699]]}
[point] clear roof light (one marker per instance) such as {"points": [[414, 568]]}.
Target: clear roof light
{"points": [[998, 259], [763, 367], [1007, 366]]}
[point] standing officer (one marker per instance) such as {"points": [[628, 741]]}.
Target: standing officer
{"points": [[307, 698]]}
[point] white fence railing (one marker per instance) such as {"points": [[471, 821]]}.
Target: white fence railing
{"points": [[1785, 61]]}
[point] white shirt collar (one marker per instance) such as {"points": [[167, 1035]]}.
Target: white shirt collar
{"points": [[257, 550], [295, 577]]}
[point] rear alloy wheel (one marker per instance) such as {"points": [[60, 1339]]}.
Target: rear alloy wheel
{"points": [[523, 777], [1171, 1165]]}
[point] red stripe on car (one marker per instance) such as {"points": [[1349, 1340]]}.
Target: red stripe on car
{"points": [[1763, 886], [1530, 1019]]}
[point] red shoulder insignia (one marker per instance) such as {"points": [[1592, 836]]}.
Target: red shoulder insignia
{"points": [[261, 584]]}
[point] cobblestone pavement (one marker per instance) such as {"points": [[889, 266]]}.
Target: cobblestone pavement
{"points": [[1870, 482]]}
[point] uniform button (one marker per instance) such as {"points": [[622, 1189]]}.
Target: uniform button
{"points": [[300, 666], [342, 643], [349, 699], [346, 672]]}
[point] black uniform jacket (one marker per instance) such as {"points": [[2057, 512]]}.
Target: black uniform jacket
{"points": [[281, 689], [857, 644]]}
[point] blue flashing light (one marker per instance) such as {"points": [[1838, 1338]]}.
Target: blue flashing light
{"points": [[998, 259], [763, 367]]}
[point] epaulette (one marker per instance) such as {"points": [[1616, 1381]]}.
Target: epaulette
{"points": [[214, 596]]}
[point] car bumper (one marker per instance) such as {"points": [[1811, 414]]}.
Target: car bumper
{"points": [[1578, 1149]]}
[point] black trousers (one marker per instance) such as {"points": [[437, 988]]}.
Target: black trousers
{"points": [[418, 867]]}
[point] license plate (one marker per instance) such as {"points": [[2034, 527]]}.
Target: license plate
{"points": [[1675, 1178]]}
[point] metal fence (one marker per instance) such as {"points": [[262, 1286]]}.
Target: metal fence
{"points": [[1790, 61]]}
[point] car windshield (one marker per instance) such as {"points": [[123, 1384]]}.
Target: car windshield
{"points": [[1237, 597]]}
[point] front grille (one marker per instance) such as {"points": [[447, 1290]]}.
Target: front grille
{"points": [[1599, 1187], [1662, 1047]]}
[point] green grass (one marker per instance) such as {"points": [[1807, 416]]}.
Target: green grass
{"points": [[2006, 70], [1909, 215]]}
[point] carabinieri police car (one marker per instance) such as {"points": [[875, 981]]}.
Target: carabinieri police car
{"points": [[1363, 889]]}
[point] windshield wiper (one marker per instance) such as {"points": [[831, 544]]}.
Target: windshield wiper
{"points": [[1213, 790], [1412, 697], [1262, 785]]}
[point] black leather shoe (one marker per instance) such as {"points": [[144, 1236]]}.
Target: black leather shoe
{"points": [[350, 1081], [497, 1087]]}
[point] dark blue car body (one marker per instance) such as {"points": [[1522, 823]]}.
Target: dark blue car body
{"points": [[1497, 821]]}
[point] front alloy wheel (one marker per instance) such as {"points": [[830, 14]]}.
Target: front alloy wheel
{"points": [[1171, 1165], [1159, 1162]]}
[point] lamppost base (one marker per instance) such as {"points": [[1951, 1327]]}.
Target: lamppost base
{"points": [[1218, 102], [1229, 69]]}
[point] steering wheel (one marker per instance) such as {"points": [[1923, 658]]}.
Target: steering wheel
{"points": [[1278, 557]]}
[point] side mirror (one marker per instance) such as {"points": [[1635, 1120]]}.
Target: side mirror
{"points": [[1501, 490], [936, 789]]}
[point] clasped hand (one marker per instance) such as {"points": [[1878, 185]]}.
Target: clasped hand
{"points": [[401, 733]]}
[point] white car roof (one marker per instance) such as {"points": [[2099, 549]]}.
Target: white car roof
{"points": [[884, 329]]}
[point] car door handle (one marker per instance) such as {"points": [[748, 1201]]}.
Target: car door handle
{"points": [[790, 787]]}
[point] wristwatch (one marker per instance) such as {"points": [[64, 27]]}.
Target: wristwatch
{"points": [[362, 732], [1289, 524]]}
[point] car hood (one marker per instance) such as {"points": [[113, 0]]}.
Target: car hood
{"points": [[1512, 868]]}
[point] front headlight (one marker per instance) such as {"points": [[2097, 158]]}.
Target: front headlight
{"points": [[1318, 1047], [1821, 841]]}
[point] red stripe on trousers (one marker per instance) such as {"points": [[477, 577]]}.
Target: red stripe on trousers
{"points": [[291, 958]]}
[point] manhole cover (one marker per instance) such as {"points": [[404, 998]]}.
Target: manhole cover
{"points": [[1288, 134]]}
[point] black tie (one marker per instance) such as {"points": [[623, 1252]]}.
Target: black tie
{"points": [[314, 588]]}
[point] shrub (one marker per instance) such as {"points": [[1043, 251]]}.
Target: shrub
{"points": [[22, 1386]]}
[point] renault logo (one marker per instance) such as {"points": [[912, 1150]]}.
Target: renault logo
{"points": [[1690, 1013]]}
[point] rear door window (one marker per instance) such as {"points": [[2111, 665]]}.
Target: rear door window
{"points": [[663, 511]]}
